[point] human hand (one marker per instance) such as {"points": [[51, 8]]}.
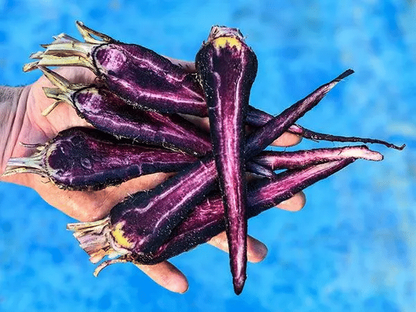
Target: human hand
{"points": [[94, 205]]}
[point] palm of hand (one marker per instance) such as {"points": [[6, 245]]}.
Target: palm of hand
{"points": [[83, 206]]}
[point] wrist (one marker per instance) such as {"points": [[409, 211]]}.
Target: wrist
{"points": [[13, 102]]}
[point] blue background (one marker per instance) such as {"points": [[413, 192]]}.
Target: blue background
{"points": [[352, 248]]}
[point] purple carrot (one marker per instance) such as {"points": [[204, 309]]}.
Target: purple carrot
{"points": [[86, 159], [207, 220], [278, 125], [274, 160], [161, 209], [144, 221], [149, 80], [316, 136], [258, 118], [137, 74], [227, 68], [253, 167], [110, 114]]}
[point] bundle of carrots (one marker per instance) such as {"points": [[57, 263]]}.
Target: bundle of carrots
{"points": [[136, 106]]}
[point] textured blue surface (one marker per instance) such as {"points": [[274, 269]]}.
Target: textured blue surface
{"points": [[352, 248]]}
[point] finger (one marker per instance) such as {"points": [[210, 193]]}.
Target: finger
{"points": [[201, 122], [287, 139], [74, 75], [63, 116], [256, 250], [295, 203], [166, 275], [147, 182], [89, 206]]}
